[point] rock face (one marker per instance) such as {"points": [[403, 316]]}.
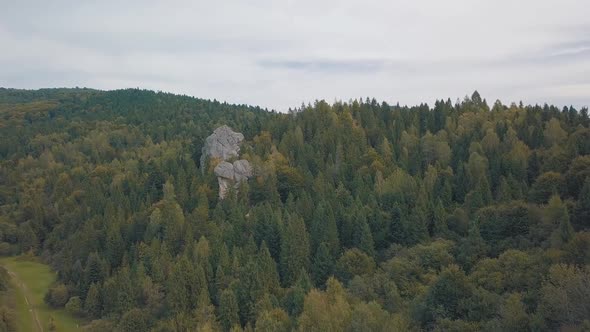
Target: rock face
{"points": [[232, 174], [224, 144], [242, 170]]}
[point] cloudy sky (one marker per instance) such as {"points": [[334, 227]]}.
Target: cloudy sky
{"points": [[278, 54]]}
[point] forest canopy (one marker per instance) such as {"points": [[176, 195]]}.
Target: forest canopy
{"points": [[360, 216]]}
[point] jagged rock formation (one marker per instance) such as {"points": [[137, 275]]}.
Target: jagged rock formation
{"points": [[223, 145], [232, 174]]}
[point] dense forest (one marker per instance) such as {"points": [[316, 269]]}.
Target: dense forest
{"points": [[360, 216]]}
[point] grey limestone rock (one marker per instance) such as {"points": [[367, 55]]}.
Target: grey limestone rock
{"points": [[224, 170], [242, 170], [232, 174], [224, 144]]}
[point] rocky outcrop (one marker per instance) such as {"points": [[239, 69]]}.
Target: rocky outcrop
{"points": [[221, 146], [242, 170], [232, 174]]}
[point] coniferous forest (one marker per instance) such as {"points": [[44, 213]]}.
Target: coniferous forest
{"points": [[464, 215]]}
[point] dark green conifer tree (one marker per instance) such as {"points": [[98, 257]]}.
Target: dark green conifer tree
{"points": [[294, 249], [361, 235], [228, 310], [323, 265], [324, 229]]}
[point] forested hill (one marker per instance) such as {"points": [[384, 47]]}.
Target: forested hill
{"points": [[361, 216]]}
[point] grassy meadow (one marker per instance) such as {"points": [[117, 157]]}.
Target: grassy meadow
{"points": [[36, 278]]}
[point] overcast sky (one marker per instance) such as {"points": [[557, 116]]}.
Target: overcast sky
{"points": [[278, 54]]}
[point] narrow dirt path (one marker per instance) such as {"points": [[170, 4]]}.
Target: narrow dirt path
{"points": [[32, 309]]}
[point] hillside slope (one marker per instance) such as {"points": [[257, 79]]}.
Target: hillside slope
{"points": [[460, 216]]}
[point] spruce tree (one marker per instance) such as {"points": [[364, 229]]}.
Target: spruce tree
{"points": [[115, 246], [294, 250], [93, 303], [582, 209], [566, 231], [439, 217], [324, 229], [559, 221], [362, 236], [267, 269], [228, 310], [472, 248], [323, 265]]}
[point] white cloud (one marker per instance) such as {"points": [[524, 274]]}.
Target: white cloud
{"points": [[278, 54]]}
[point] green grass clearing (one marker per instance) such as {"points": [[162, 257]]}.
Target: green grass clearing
{"points": [[24, 317], [37, 278]]}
